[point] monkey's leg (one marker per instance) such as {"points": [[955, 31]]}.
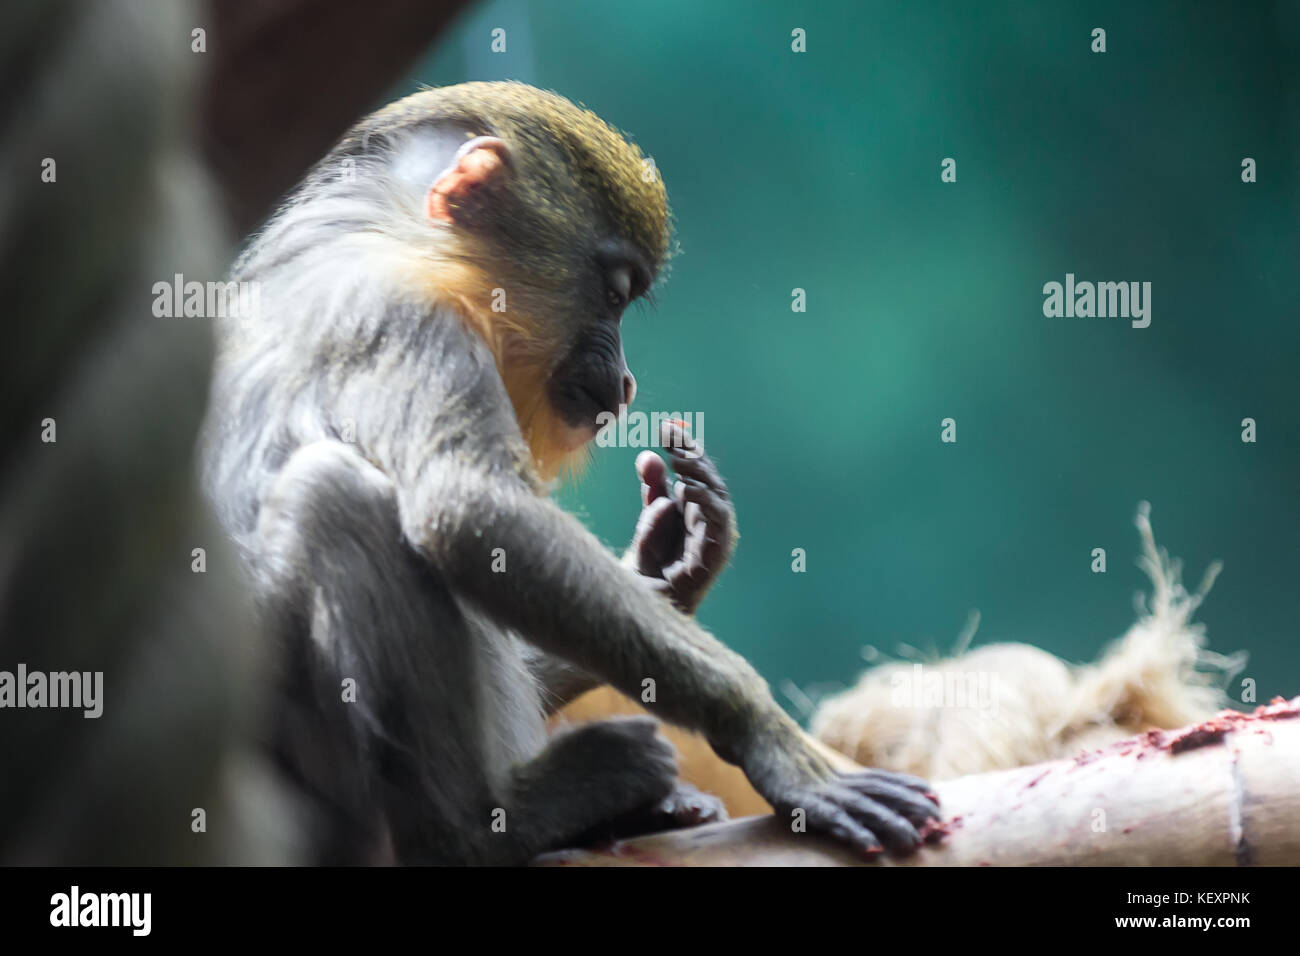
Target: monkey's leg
{"points": [[404, 712], [685, 806], [589, 777]]}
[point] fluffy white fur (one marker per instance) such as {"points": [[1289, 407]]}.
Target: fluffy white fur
{"points": [[1035, 706]]}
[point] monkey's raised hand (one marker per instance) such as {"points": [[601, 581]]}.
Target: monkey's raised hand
{"points": [[686, 534]]}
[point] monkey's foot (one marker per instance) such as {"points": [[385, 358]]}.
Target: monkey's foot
{"points": [[684, 807]]}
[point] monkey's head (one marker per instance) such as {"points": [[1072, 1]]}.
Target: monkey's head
{"points": [[540, 224]]}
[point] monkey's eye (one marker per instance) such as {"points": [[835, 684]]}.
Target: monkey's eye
{"points": [[618, 287]]}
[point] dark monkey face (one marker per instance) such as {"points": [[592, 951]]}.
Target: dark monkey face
{"points": [[592, 377]]}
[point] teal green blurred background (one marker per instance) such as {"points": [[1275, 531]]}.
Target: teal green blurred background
{"points": [[821, 171]]}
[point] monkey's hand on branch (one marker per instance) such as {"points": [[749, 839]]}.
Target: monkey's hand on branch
{"points": [[686, 534], [869, 810]]}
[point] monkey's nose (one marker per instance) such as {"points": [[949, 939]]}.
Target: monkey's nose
{"points": [[629, 388]]}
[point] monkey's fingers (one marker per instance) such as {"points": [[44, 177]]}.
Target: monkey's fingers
{"points": [[902, 779], [658, 536], [686, 576], [688, 806], [652, 471], [701, 552], [681, 445], [693, 518], [710, 525], [699, 468], [896, 832], [691, 461], [714, 507], [826, 816], [903, 800], [685, 806]]}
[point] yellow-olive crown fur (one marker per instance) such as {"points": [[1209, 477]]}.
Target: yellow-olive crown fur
{"points": [[535, 122]]}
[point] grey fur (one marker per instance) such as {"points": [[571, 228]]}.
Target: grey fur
{"points": [[374, 558]]}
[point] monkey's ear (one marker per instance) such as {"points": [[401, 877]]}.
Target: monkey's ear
{"points": [[481, 161]]}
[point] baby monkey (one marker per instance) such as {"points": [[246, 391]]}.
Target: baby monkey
{"points": [[440, 329]]}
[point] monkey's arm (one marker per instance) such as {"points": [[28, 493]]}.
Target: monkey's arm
{"points": [[564, 592], [684, 537]]}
